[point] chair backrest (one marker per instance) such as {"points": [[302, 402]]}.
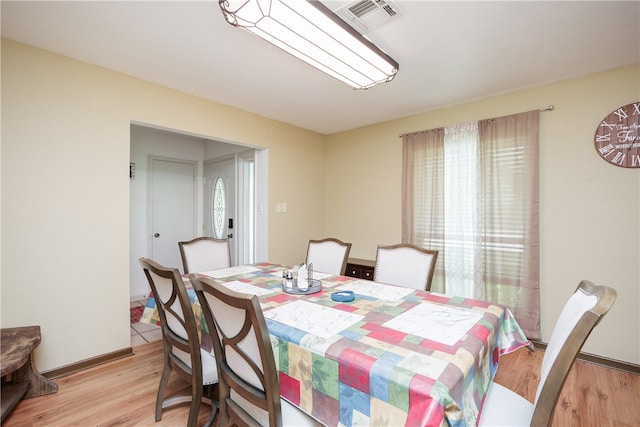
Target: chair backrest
{"points": [[179, 327], [249, 391], [328, 255], [405, 265], [204, 254], [582, 312]]}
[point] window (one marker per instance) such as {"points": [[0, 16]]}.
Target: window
{"points": [[218, 209], [470, 191]]}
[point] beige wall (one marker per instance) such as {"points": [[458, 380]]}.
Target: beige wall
{"points": [[65, 201], [589, 210], [65, 192]]}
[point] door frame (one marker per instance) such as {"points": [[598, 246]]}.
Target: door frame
{"points": [[246, 209]]}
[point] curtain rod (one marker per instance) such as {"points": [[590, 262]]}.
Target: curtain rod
{"points": [[542, 110]]}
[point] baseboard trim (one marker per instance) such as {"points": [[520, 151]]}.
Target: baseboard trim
{"points": [[125, 352], [139, 297], [632, 368], [88, 363]]}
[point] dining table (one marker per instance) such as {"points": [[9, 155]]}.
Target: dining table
{"points": [[393, 356]]}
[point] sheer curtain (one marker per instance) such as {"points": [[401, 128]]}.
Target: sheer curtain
{"points": [[510, 168], [423, 218], [463, 217], [470, 191]]}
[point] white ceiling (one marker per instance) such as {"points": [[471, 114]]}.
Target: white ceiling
{"points": [[449, 52]]}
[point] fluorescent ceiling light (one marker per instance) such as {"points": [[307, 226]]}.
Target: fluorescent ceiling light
{"points": [[311, 32]]}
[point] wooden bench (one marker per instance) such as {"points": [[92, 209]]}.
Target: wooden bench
{"points": [[20, 378]]}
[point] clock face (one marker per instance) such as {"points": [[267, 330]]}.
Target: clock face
{"points": [[617, 137]]}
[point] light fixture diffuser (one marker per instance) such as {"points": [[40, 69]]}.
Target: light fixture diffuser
{"points": [[311, 32]]}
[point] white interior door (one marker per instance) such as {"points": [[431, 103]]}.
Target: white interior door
{"points": [[220, 202], [173, 199]]}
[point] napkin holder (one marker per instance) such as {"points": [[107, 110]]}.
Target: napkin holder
{"points": [[299, 280]]}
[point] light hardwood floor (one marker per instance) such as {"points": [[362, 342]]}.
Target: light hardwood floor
{"points": [[123, 393], [592, 396], [118, 393]]}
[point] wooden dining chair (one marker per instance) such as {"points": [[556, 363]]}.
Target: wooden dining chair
{"points": [[181, 345], [328, 255], [204, 254], [582, 312], [405, 264], [249, 389]]}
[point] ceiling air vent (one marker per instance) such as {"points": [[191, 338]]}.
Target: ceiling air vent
{"points": [[367, 15]]}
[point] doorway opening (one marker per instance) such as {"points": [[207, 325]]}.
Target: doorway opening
{"points": [[242, 185]]}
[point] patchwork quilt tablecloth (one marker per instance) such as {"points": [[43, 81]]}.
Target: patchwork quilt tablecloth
{"points": [[394, 356]]}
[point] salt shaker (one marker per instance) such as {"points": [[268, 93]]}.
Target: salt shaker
{"points": [[287, 279]]}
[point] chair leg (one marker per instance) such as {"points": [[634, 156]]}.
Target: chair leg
{"points": [[214, 411], [164, 380], [223, 395], [193, 414], [196, 400], [211, 392]]}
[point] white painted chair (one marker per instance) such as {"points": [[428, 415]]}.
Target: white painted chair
{"points": [[328, 255], [405, 265], [204, 254], [249, 385], [583, 311]]}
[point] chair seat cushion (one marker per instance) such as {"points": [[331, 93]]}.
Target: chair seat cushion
{"points": [[294, 416], [291, 414], [504, 407], [209, 368]]}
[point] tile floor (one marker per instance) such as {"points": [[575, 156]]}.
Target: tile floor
{"points": [[142, 333]]}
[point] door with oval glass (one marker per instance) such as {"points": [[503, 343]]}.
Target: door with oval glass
{"points": [[220, 201]]}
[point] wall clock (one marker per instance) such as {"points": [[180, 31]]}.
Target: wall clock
{"points": [[617, 137]]}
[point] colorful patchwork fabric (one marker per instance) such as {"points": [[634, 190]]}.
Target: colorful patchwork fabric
{"points": [[390, 357]]}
